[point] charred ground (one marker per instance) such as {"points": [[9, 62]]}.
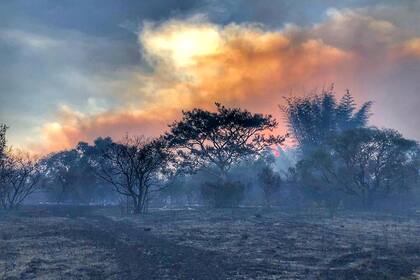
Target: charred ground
{"points": [[243, 243]]}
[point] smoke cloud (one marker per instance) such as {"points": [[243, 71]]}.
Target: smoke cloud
{"points": [[194, 63]]}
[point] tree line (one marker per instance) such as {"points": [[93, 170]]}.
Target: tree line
{"points": [[340, 156], [224, 157]]}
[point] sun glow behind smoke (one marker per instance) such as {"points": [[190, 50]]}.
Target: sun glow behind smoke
{"points": [[196, 63], [182, 44], [276, 152]]}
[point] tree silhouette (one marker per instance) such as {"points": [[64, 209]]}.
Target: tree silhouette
{"points": [[71, 175], [20, 174], [3, 161], [313, 120], [3, 129], [218, 140], [133, 166], [23, 175], [270, 182], [3, 156], [368, 163]]}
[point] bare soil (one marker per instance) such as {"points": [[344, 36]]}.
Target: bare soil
{"points": [[246, 243]]}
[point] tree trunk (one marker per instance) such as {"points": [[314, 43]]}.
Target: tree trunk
{"points": [[137, 207], [368, 201]]}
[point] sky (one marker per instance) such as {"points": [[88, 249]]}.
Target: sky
{"points": [[75, 70]]}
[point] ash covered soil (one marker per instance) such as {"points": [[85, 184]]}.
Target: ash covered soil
{"points": [[244, 243]]}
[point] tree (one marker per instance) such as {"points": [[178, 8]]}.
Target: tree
{"points": [[218, 140], [310, 176], [62, 176], [179, 190], [270, 182], [22, 177], [133, 166], [313, 120], [20, 174], [368, 163], [71, 175], [347, 117], [3, 156], [3, 129]]}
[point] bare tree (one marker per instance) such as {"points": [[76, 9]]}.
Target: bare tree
{"points": [[3, 152], [133, 166], [3, 129], [22, 176]]}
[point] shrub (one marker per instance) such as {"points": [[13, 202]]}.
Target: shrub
{"points": [[228, 194]]}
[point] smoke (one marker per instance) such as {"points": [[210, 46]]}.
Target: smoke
{"points": [[194, 63]]}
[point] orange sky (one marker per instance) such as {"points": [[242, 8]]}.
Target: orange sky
{"points": [[195, 63]]}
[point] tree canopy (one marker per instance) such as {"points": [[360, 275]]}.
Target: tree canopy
{"points": [[220, 139], [368, 163], [133, 166], [312, 120]]}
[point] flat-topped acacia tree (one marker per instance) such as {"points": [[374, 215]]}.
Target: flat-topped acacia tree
{"points": [[218, 140]]}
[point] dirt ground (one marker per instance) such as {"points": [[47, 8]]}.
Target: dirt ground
{"points": [[99, 243]]}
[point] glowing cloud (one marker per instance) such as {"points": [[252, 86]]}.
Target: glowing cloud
{"points": [[179, 43], [196, 63]]}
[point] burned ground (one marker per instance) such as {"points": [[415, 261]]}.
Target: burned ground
{"points": [[98, 243]]}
